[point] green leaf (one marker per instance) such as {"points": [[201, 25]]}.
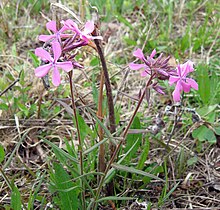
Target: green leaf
{"points": [[60, 151], [21, 79], [200, 132], [210, 136], [15, 199], [168, 194], [3, 106], [204, 83], [83, 127], [35, 59], [153, 169], [2, 153], [217, 130], [111, 172], [107, 132], [94, 61], [206, 110], [203, 133], [185, 44], [192, 161], [135, 171], [131, 138], [14, 50], [67, 192], [94, 146], [144, 154], [23, 108]]}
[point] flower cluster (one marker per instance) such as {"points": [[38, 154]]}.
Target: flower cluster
{"points": [[57, 52], [159, 69]]}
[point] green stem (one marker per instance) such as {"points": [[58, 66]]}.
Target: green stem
{"points": [[79, 138]]}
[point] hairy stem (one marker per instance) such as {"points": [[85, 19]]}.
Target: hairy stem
{"points": [[79, 138], [107, 85], [111, 116]]}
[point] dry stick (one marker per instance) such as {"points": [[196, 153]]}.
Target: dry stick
{"points": [[119, 145], [79, 138], [101, 162]]}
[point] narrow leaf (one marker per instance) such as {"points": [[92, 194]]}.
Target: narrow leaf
{"points": [[61, 151], [136, 171], [15, 199]]}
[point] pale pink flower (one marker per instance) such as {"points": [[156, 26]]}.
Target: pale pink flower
{"points": [[58, 34], [183, 83], [53, 63], [146, 66], [84, 34]]}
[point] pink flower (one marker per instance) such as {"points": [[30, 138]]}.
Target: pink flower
{"points": [[88, 29], [57, 34], [146, 66], [54, 64], [183, 83]]}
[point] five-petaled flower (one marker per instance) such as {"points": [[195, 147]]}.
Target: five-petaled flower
{"points": [[52, 63], [85, 34], [183, 83], [58, 34]]}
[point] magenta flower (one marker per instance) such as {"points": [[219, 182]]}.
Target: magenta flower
{"points": [[58, 34], [146, 66], [183, 83], [88, 29], [53, 63]]}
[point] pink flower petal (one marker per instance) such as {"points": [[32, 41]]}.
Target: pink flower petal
{"points": [[64, 28], [186, 68], [89, 27], [71, 26], [66, 65], [65, 35], [43, 54], [45, 38], [138, 53], [135, 66], [153, 53], [192, 83], [186, 87], [56, 77], [176, 92], [173, 79], [179, 70], [51, 25], [144, 73], [41, 71], [189, 66], [56, 50]]}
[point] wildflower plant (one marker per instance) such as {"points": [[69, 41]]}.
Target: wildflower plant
{"points": [[58, 53]]}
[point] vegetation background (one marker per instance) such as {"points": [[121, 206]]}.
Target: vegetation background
{"points": [[38, 153]]}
